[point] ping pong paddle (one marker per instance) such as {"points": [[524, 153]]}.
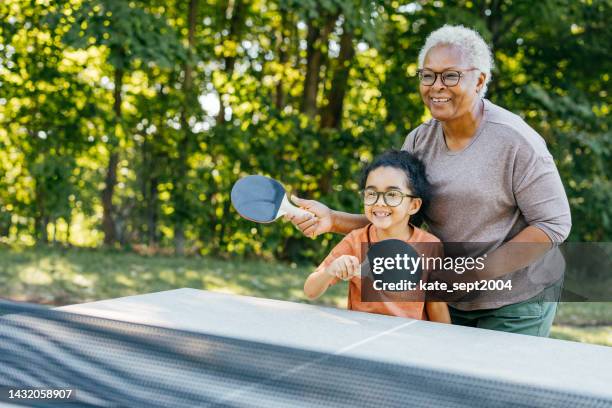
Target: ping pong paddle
{"points": [[401, 268], [262, 199]]}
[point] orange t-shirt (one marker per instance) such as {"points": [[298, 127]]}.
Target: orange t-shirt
{"points": [[353, 244]]}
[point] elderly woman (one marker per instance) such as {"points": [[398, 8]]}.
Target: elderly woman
{"points": [[493, 179]]}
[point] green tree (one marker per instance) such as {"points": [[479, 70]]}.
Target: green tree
{"points": [[129, 34]]}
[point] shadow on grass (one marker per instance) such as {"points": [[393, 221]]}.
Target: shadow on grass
{"points": [[58, 277]]}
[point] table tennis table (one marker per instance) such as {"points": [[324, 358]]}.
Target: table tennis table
{"points": [[263, 352]]}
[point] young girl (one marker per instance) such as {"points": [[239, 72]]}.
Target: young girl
{"points": [[395, 190]]}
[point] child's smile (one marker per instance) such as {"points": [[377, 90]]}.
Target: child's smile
{"points": [[384, 218], [381, 213]]}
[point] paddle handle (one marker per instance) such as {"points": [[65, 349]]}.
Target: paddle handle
{"points": [[290, 209]]}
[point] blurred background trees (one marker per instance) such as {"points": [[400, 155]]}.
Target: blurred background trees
{"points": [[126, 123]]}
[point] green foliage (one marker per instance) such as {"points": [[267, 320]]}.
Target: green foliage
{"points": [[49, 120], [125, 28], [58, 62]]}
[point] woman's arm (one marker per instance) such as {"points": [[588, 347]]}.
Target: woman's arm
{"points": [[543, 203], [324, 219], [343, 223], [525, 248], [541, 198]]}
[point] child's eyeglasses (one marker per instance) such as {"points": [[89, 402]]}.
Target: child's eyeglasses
{"points": [[392, 198]]}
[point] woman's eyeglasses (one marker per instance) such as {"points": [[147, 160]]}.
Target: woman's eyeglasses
{"points": [[449, 78]]}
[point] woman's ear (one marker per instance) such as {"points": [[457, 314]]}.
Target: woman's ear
{"points": [[480, 82]]}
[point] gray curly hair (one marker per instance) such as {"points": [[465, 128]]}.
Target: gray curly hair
{"points": [[471, 43]]}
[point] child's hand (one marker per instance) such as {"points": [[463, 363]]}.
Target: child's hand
{"points": [[344, 267]]}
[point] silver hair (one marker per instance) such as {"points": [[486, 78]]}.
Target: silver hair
{"points": [[473, 46]]}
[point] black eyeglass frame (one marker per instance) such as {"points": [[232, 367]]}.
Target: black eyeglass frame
{"points": [[460, 74], [379, 193]]}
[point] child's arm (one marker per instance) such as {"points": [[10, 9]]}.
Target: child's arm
{"points": [[438, 312], [344, 267]]}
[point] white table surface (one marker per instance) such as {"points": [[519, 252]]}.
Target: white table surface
{"points": [[554, 364]]}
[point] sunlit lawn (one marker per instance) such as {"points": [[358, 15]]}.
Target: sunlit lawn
{"points": [[58, 277]]}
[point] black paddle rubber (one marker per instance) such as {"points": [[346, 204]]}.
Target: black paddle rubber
{"points": [[257, 198]]}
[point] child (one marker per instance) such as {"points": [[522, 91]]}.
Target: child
{"points": [[394, 190]]}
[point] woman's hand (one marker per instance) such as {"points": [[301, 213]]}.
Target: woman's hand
{"points": [[312, 227], [344, 267]]}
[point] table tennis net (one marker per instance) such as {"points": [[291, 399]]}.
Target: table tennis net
{"points": [[111, 363]]}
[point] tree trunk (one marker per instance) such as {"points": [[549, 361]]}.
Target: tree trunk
{"points": [[148, 188], [7, 222], [184, 145], [152, 211], [143, 182], [54, 239], [41, 219], [108, 216], [283, 57], [68, 225], [41, 227], [235, 13], [316, 38], [332, 114], [226, 227]]}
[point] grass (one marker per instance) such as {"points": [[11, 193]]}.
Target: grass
{"points": [[60, 276], [588, 334]]}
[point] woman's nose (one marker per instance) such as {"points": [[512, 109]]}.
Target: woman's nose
{"points": [[438, 84]]}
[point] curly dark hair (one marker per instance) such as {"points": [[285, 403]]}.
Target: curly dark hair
{"points": [[415, 176]]}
